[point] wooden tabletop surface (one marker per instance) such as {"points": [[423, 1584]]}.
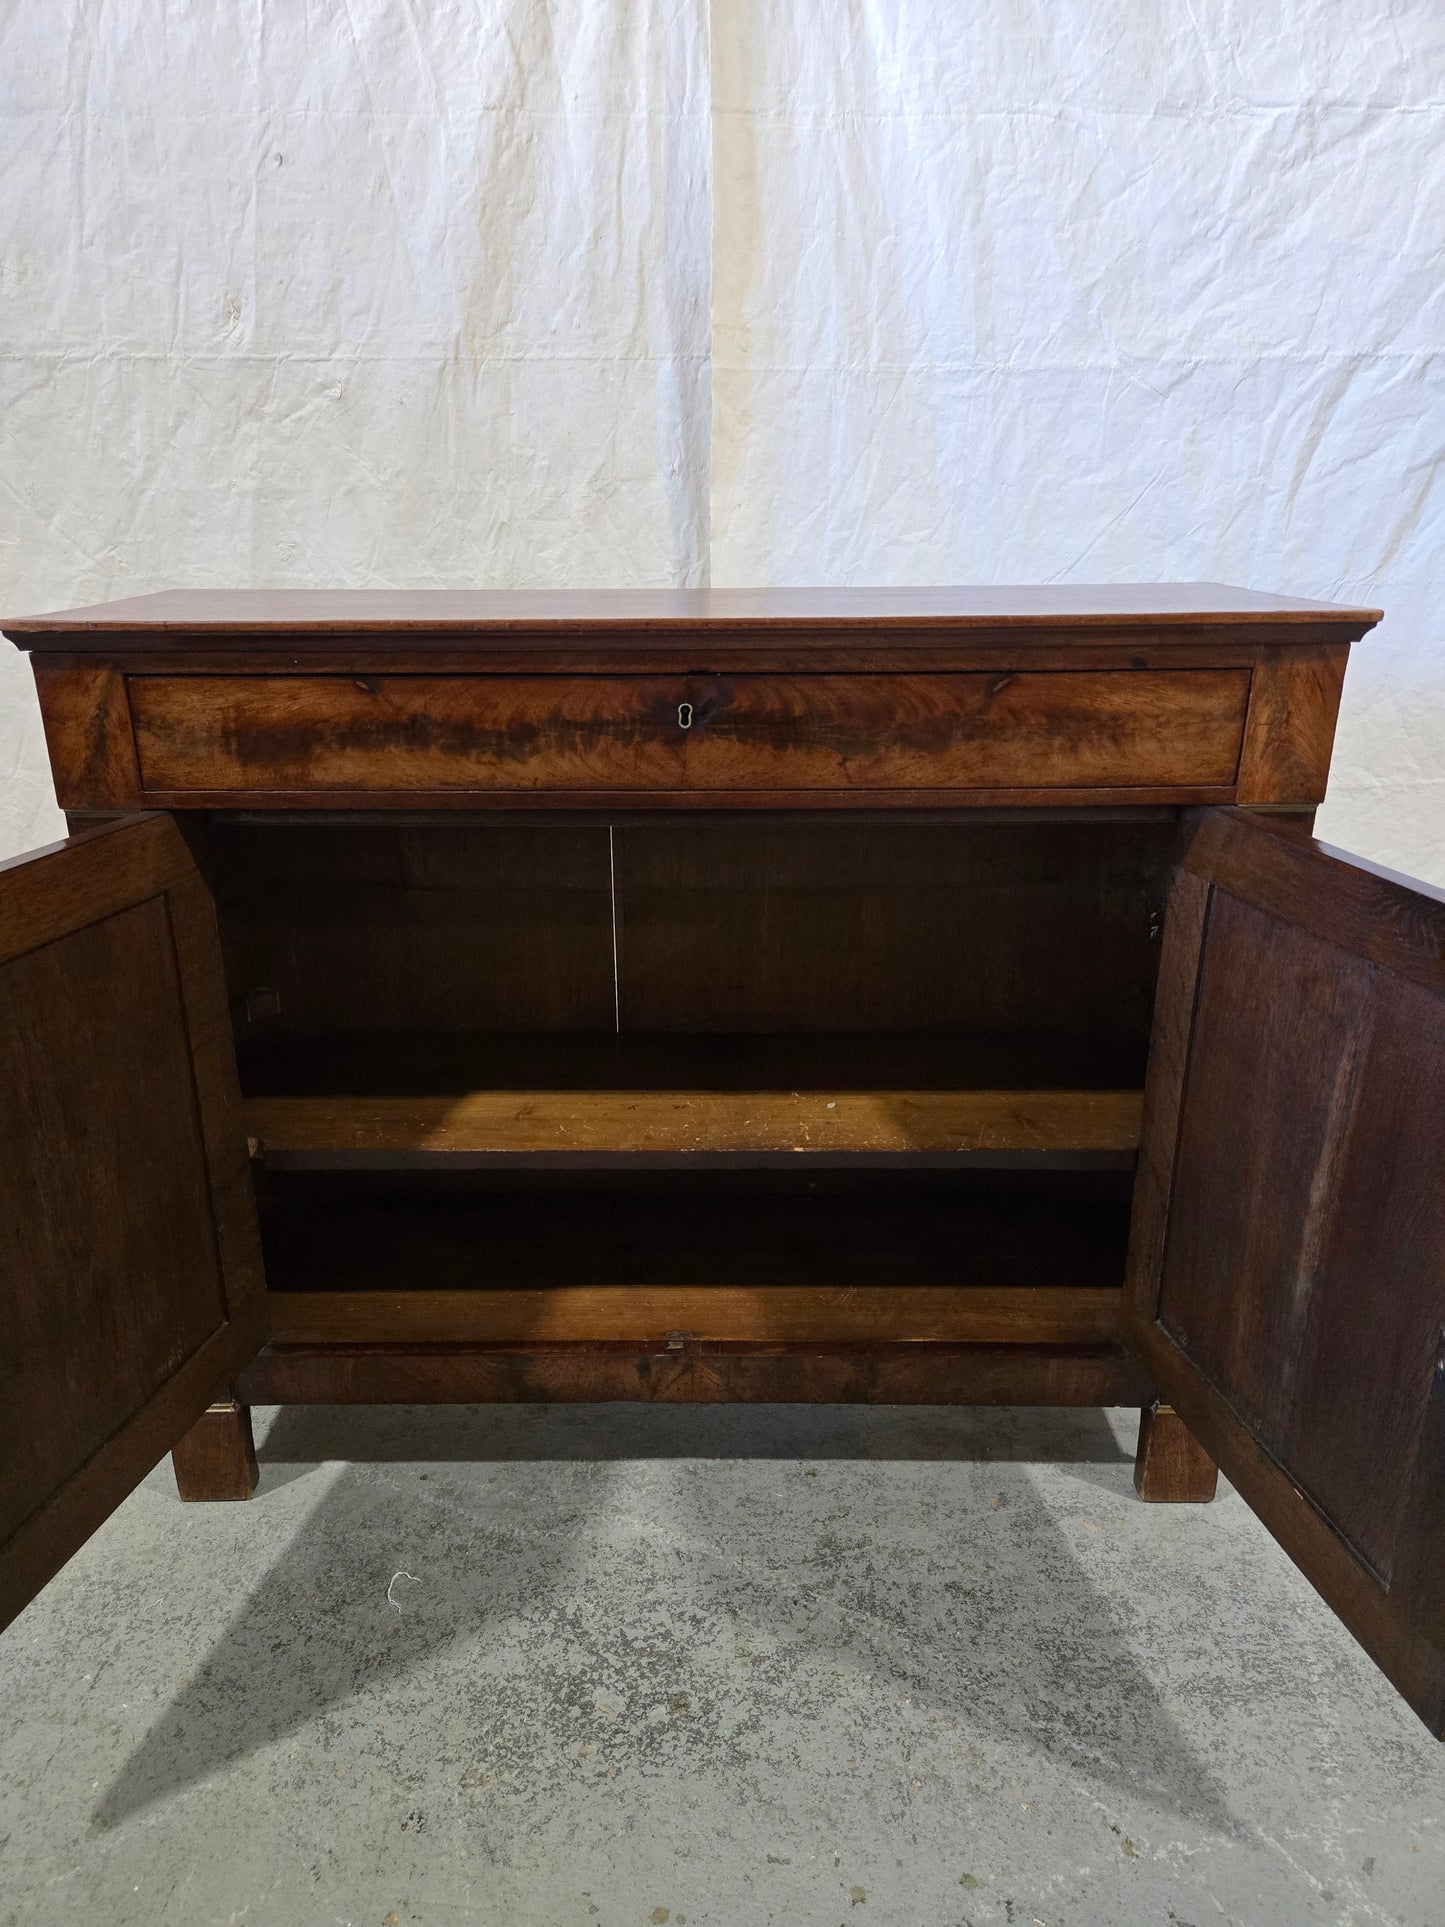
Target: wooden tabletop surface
{"points": [[1192, 605]]}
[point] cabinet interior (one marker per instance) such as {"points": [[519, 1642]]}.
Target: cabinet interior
{"points": [[754, 1079]]}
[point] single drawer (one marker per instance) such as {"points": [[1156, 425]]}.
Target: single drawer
{"points": [[710, 735]]}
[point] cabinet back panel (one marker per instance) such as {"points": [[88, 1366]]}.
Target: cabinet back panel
{"points": [[1009, 927], [1043, 927], [393, 927], [478, 1231]]}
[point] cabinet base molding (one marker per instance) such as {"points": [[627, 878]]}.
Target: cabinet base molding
{"points": [[689, 1370], [217, 1458], [1171, 1464]]}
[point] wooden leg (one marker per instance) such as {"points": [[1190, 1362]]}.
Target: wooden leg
{"points": [[1171, 1463], [217, 1457]]}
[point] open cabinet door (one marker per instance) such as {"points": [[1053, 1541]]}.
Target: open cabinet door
{"points": [[1287, 1261], [130, 1271]]}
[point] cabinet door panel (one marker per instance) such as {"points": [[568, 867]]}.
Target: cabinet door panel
{"points": [[1287, 1264], [130, 1280]]}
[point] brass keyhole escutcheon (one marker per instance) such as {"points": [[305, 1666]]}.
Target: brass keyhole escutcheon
{"points": [[684, 715]]}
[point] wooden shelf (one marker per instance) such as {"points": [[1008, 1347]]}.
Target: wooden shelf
{"points": [[593, 1125], [877, 1258], [392, 1101], [636, 1314]]}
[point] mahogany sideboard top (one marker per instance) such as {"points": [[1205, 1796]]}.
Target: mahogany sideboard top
{"points": [[789, 698]]}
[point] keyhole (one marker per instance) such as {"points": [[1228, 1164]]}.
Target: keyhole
{"points": [[684, 715]]}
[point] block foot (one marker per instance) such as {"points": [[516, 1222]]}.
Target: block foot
{"points": [[217, 1457], [1171, 1464]]}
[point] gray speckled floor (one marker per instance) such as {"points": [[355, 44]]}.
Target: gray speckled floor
{"points": [[715, 1666]]}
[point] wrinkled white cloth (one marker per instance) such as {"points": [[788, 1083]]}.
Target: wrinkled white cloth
{"points": [[791, 291], [1053, 290], [359, 294]]}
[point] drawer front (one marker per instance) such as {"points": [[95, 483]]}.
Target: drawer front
{"points": [[1074, 730], [407, 735]]}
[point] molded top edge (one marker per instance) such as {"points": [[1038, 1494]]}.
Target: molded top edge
{"points": [[560, 612]]}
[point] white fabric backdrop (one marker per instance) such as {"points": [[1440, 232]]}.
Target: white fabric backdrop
{"points": [[1092, 290], [365, 294], [1028, 290]]}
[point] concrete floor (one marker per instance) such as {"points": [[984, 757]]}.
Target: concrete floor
{"points": [[621, 1666]]}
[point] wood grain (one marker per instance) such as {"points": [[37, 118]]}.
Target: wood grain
{"points": [[689, 1124], [699, 650], [397, 734], [1388, 920], [1171, 1466], [503, 803], [1292, 1304], [416, 929], [216, 1459], [86, 712], [897, 1375], [1184, 927], [400, 733], [966, 732], [111, 1283], [1278, 1307], [1294, 700], [770, 1315], [1418, 1581], [1045, 928], [128, 1237], [251, 611], [707, 645], [1387, 1628]]}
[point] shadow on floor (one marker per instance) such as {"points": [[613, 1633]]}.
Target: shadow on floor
{"points": [[309, 1435], [966, 1597]]}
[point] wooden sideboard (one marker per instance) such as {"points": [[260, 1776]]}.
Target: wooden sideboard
{"points": [[725, 995]]}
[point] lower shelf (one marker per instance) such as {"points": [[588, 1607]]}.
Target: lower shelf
{"points": [[891, 1375], [768, 1315], [881, 1258]]}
